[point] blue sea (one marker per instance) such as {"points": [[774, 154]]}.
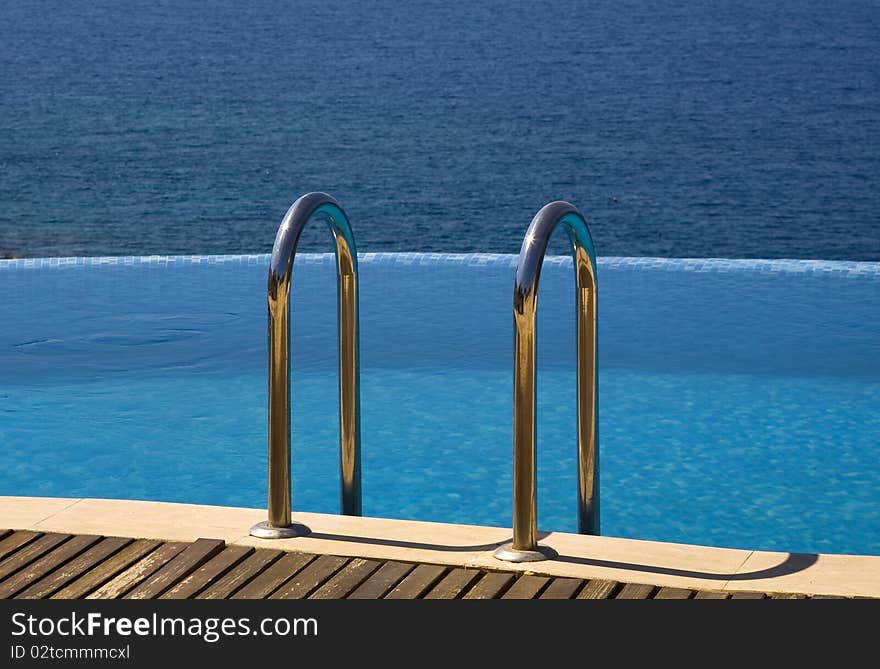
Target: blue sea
{"points": [[681, 128]]}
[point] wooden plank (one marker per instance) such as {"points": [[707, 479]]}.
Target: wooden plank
{"points": [[311, 578], [381, 581], [491, 586], [417, 582], [138, 572], [598, 588], [212, 570], [255, 563], [787, 595], [104, 571], [56, 580], [191, 558], [748, 595], [46, 564], [14, 541], [33, 551], [346, 580], [562, 588], [527, 586], [711, 594], [454, 584], [636, 591], [673, 593], [827, 597], [5, 533], [275, 576]]}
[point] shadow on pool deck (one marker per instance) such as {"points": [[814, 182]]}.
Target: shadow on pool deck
{"points": [[793, 563]]}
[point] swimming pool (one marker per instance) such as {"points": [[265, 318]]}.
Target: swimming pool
{"points": [[738, 399]]}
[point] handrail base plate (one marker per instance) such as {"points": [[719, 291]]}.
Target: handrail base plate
{"points": [[510, 554], [264, 530]]}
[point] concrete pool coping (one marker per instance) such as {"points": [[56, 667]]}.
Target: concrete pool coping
{"points": [[579, 556]]}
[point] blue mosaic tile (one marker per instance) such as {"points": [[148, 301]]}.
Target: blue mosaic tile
{"points": [[699, 265]]}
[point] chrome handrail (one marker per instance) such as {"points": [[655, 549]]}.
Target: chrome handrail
{"points": [[524, 547], [310, 205]]}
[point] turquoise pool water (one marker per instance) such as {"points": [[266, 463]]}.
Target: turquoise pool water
{"points": [[757, 428]]}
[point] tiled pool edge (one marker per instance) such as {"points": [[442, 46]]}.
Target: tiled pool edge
{"points": [[841, 268], [630, 560]]}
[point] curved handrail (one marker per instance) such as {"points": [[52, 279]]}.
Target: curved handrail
{"points": [[280, 267], [525, 546]]}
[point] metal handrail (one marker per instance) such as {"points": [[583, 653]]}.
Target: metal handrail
{"points": [[311, 205], [524, 547]]}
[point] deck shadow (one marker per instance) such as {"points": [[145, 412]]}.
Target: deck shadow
{"points": [[793, 562]]}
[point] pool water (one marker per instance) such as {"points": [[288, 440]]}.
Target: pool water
{"points": [[728, 460], [764, 459]]}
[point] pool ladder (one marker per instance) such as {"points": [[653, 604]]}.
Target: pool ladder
{"points": [[320, 205], [524, 547]]}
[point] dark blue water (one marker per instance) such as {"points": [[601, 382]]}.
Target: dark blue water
{"points": [[713, 128]]}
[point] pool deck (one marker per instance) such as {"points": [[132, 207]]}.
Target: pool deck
{"points": [[61, 547]]}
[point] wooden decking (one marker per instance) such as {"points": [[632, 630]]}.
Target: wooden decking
{"points": [[37, 565]]}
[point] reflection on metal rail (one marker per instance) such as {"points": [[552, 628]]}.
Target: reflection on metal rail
{"points": [[311, 205], [524, 547]]}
